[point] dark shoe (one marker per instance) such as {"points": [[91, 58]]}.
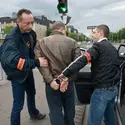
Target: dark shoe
{"points": [[40, 116]]}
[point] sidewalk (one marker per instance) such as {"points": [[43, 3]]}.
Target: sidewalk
{"points": [[6, 103]]}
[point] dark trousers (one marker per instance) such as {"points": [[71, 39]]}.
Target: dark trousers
{"points": [[58, 101], [18, 98]]}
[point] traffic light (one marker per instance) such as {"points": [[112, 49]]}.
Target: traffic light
{"points": [[62, 6]]}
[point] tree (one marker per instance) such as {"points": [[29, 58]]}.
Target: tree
{"points": [[78, 37], [121, 33], [7, 29], [48, 32], [73, 35], [117, 36], [82, 37], [113, 36], [88, 39]]}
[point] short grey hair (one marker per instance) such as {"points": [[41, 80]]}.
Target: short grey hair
{"points": [[58, 25], [21, 11]]}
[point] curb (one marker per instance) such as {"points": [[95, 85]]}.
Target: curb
{"points": [[80, 109]]}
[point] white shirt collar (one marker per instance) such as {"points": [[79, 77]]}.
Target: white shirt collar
{"points": [[102, 39]]}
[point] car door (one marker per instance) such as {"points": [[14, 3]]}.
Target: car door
{"points": [[83, 85], [120, 104], [120, 100]]}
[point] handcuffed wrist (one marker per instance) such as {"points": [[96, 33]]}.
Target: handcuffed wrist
{"points": [[64, 78]]}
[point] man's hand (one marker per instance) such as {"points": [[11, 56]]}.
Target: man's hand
{"points": [[43, 62], [64, 86], [54, 85], [64, 82]]}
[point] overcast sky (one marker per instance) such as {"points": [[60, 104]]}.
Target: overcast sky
{"points": [[83, 12]]}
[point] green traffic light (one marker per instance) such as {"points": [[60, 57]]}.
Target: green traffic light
{"points": [[62, 8]]}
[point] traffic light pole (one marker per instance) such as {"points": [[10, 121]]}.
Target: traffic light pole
{"points": [[66, 19], [63, 9]]}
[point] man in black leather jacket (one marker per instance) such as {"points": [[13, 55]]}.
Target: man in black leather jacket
{"points": [[17, 59], [105, 75]]}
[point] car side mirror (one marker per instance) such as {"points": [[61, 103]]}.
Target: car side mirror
{"points": [[121, 51]]}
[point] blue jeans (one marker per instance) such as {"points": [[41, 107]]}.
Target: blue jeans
{"points": [[102, 105], [18, 99]]}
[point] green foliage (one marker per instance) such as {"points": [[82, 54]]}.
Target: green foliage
{"points": [[113, 36], [48, 32], [7, 29], [82, 37], [121, 34], [117, 36], [73, 35], [77, 37]]}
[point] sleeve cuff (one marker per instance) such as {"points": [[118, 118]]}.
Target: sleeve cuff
{"points": [[66, 73], [37, 63], [48, 79]]}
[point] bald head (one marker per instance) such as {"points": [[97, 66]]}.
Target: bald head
{"points": [[58, 26]]}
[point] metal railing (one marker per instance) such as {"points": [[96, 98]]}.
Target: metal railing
{"points": [[2, 74]]}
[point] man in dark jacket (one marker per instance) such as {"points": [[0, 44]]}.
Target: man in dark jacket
{"points": [[17, 59], [60, 51], [105, 75]]}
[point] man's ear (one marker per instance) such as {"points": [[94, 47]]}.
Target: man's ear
{"points": [[102, 33]]}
